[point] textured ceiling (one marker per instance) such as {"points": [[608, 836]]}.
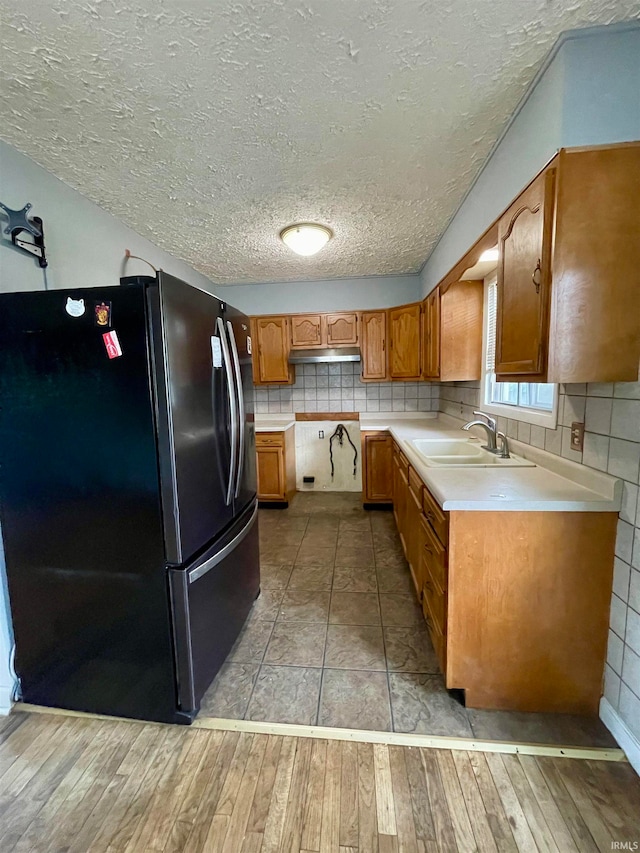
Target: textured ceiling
{"points": [[207, 126]]}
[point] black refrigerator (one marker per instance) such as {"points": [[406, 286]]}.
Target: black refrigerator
{"points": [[127, 493]]}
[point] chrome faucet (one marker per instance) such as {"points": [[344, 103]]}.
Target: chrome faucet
{"points": [[491, 429], [504, 446]]}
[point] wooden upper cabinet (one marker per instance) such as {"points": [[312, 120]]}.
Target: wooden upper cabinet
{"points": [[595, 302], [271, 351], [461, 331], [373, 345], [341, 329], [431, 336], [307, 331], [524, 279], [404, 331]]}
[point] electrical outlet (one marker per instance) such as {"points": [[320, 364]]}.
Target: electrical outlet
{"points": [[577, 436], [320, 433]]}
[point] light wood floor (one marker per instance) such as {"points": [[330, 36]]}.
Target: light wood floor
{"points": [[81, 784]]}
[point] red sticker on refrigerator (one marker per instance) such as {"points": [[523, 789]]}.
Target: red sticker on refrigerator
{"points": [[112, 344]]}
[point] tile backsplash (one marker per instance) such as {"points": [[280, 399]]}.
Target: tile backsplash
{"points": [[338, 388], [611, 414]]}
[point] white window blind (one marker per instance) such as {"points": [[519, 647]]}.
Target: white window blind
{"points": [[492, 307]]}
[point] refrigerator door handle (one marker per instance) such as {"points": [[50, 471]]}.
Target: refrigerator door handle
{"points": [[241, 412], [232, 408], [201, 570]]}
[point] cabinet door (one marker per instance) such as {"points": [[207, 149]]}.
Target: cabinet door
{"points": [[341, 329], [404, 330], [431, 336], [413, 540], [460, 327], [306, 331], [524, 280], [271, 478], [271, 350], [378, 468], [373, 345]]}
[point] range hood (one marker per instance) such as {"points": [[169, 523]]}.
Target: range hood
{"points": [[317, 356]]}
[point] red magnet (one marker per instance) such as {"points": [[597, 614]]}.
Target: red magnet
{"points": [[112, 344]]}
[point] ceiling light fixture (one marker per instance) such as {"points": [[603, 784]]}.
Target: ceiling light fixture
{"points": [[306, 238], [489, 255]]}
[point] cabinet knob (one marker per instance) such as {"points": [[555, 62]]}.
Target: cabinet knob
{"points": [[536, 278]]}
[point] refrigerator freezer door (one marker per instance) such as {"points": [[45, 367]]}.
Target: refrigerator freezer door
{"points": [[194, 416], [238, 328], [80, 498], [210, 601]]}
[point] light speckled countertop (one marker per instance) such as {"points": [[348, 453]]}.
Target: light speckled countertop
{"points": [[553, 485], [274, 423]]}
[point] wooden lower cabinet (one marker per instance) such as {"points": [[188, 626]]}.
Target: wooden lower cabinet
{"points": [[276, 466], [377, 468], [516, 603]]}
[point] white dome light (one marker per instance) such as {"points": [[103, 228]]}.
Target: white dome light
{"points": [[306, 238]]}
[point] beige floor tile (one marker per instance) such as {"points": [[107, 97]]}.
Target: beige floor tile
{"points": [[285, 694], [354, 647], [267, 604], [315, 556], [396, 579], [421, 705], [409, 650], [311, 577], [354, 579], [252, 642], [401, 611], [273, 576], [297, 644], [354, 608], [355, 557], [355, 700], [300, 605], [228, 696]]}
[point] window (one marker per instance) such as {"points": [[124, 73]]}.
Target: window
{"points": [[534, 402]]}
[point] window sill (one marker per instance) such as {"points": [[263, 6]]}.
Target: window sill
{"points": [[530, 416]]}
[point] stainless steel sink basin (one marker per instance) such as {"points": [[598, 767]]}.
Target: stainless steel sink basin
{"points": [[461, 452]]}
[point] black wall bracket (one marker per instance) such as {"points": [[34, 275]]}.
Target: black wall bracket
{"points": [[19, 222]]}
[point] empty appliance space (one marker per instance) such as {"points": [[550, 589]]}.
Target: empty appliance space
{"points": [[337, 638]]}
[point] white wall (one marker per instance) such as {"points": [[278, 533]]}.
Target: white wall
{"points": [[344, 294], [85, 247], [85, 244], [586, 95]]}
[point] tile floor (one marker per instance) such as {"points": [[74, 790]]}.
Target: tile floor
{"points": [[336, 637]]}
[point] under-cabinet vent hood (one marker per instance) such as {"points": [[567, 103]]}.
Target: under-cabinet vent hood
{"points": [[317, 356]]}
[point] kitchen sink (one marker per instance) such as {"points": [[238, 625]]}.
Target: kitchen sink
{"points": [[461, 452]]}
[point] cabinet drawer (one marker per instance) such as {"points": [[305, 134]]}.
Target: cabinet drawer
{"points": [[415, 484], [438, 519], [437, 637], [434, 555], [435, 602], [269, 439]]}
